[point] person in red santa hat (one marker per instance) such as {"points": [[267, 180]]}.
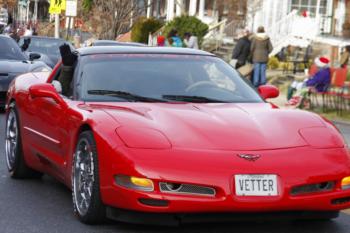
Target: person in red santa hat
{"points": [[322, 79], [320, 82]]}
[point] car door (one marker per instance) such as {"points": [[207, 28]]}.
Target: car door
{"points": [[46, 126]]}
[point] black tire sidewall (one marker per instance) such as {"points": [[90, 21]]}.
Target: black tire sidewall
{"points": [[96, 211], [18, 155]]}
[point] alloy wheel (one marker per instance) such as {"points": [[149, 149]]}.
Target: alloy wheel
{"points": [[83, 176], [11, 139]]}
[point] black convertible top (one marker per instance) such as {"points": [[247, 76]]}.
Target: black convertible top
{"points": [[140, 50]]}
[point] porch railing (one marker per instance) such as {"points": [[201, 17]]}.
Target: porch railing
{"points": [[215, 35]]}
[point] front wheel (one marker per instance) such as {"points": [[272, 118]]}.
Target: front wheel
{"points": [[16, 164], [86, 195]]}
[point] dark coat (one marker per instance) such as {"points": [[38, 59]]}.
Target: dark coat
{"points": [[261, 48], [65, 78], [241, 51]]}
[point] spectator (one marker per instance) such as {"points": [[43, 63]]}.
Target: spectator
{"points": [[320, 82], [28, 31], [173, 39], [161, 41], [191, 41], [241, 52], [344, 59], [260, 48]]}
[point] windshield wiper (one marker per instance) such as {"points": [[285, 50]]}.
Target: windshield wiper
{"points": [[125, 95], [195, 99]]}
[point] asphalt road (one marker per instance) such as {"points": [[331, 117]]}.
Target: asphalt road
{"points": [[45, 206]]}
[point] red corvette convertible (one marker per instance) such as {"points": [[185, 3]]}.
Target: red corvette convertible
{"points": [[173, 135]]}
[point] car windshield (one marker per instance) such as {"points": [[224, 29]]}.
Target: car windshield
{"points": [[161, 78], [44, 46], [9, 50]]}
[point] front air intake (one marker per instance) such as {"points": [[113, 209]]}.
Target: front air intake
{"points": [[312, 188], [177, 188], [341, 201]]}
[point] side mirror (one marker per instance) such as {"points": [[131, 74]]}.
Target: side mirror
{"points": [[268, 91], [34, 56], [46, 90]]}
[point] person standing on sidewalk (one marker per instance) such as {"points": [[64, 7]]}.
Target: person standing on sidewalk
{"points": [[241, 52], [260, 49], [345, 56], [191, 41]]}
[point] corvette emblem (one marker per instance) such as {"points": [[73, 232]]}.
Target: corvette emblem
{"points": [[249, 157]]}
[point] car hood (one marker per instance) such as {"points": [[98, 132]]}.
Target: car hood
{"points": [[9, 66], [243, 127]]}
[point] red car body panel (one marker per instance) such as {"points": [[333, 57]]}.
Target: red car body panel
{"points": [[186, 143]]}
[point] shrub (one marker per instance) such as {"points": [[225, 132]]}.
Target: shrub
{"points": [[185, 24], [143, 27], [273, 63]]}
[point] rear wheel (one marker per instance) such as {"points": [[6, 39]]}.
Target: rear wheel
{"points": [[86, 195], [13, 148]]}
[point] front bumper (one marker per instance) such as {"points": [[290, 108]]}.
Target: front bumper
{"points": [[216, 169], [170, 219]]}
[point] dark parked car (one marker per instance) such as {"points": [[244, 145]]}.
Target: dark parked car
{"points": [[14, 62], [116, 43], [48, 47]]}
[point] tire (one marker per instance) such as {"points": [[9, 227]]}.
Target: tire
{"points": [[87, 204], [16, 164]]}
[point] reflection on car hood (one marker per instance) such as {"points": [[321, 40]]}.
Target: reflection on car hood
{"points": [[12, 66], [217, 126]]}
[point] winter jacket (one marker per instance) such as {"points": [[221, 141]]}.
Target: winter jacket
{"points": [[241, 51], [260, 48], [321, 80], [192, 42]]}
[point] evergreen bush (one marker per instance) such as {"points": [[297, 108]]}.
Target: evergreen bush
{"points": [[143, 27], [185, 24]]}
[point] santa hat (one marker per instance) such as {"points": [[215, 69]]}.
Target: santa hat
{"points": [[322, 62]]}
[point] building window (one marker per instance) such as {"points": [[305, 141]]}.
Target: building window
{"points": [[310, 6]]}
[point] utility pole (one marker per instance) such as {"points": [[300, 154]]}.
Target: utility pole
{"points": [[57, 26]]}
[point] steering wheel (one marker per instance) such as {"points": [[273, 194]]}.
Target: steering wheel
{"points": [[200, 84]]}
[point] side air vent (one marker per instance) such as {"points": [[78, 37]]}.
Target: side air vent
{"points": [[312, 188], [341, 201], [186, 189]]}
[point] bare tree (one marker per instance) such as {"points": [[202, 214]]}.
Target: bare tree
{"points": [[253, 7], [114, 16]]}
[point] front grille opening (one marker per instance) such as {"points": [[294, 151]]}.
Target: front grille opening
{"points": [[341, 201], [169, 187], [313, 188]]}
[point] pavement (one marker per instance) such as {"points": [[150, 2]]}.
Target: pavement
{"points": [[44, 206]]}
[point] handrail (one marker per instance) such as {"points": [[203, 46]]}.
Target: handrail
{"points": [[232, 27], [152, 37], [215, 34], [217, 25]]}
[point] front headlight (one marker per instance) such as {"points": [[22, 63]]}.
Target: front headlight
{"points": [[143, 138], [322, 137], [345, 183], [136, 183]]}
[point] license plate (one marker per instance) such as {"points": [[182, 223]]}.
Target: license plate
{"points": [[256, 185]]}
